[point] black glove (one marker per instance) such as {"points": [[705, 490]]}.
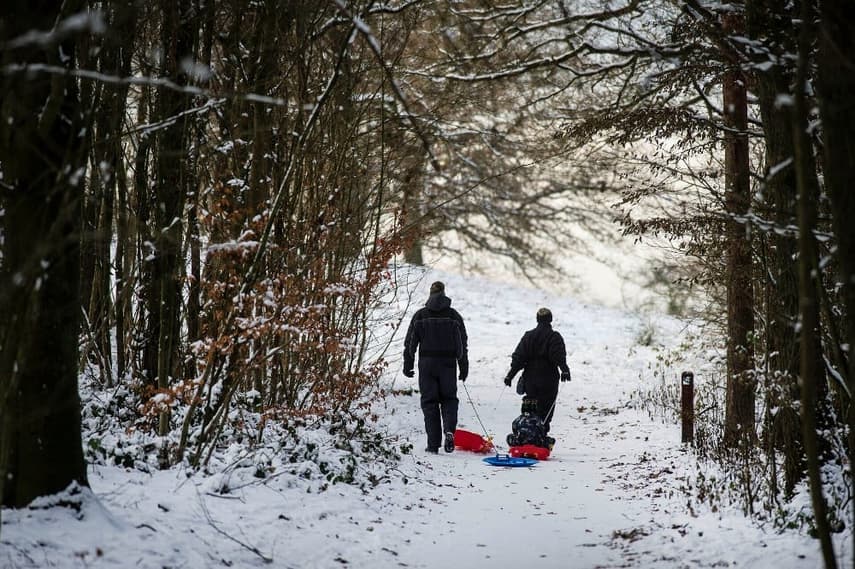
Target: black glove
{"points": [[565, 375], [409, 373], [463, 364], [508, 380]]}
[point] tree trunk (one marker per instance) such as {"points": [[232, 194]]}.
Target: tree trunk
{"points": [[766, 22], [149, 284], [124, 244], [115, 55], [812, 369], [124, 26], [170, 190], [836, 84], [411, 208], [194, 294], [739, 413], [43, 154], [411, 212]]}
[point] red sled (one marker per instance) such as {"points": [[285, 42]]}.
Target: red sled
{"points": [[529, 451], [467, 440]]}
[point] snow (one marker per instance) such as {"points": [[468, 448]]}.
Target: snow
{"points": [[616, 492]]}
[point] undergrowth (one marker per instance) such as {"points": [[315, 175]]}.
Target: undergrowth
{"points": [[348, 447], [748, 477]]}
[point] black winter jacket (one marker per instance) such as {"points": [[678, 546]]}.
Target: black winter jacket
{"points": [[540, 353], [437, 330]]}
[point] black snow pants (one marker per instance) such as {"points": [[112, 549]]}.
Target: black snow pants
{"points": [[546, 392], [438, 386]]}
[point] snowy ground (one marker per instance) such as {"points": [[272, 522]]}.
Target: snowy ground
{"points": [[608, 497]]}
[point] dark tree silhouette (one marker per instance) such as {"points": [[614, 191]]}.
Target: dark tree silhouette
{"points": [[42, 157]]}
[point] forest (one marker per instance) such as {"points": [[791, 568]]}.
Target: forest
{"points": [[203, 204]]}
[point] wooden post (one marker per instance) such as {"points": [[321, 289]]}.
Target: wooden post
{"points": [[688, 403]]}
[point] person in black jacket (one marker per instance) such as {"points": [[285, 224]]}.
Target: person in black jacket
{"points": [[437, 331], [540, 354]]}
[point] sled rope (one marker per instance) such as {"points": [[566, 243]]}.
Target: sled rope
{"points": [[499, 400], [480, 422], [551, 407]]}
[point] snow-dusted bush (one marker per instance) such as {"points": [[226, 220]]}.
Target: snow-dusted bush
{"points": [[319, 450], [750, 476]]}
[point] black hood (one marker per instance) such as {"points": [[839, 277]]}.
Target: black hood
{"points": [[438, 301], [542, 332]]}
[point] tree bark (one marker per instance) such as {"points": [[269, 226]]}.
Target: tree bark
{"points": [[170, 194], [836, 84], [812, 369], [114, 60], [770, 25], [194, 293], [42, 152], [411, 199], [739, 413], [124, 26]]}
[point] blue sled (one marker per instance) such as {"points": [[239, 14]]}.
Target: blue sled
{"points": [[505, 460]]}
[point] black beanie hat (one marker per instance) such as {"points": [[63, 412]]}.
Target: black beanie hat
{"points": [[436, 287], [544, 315]]}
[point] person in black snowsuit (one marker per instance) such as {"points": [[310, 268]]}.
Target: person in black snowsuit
{"points": [[438, 333], [540, 354]]}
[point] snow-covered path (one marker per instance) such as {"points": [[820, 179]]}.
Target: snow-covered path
{"points": [[608, 497], [541, 517], [558, 511]]}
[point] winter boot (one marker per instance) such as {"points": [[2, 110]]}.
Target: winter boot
{"points": [[449, 442], [431, 450]]}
